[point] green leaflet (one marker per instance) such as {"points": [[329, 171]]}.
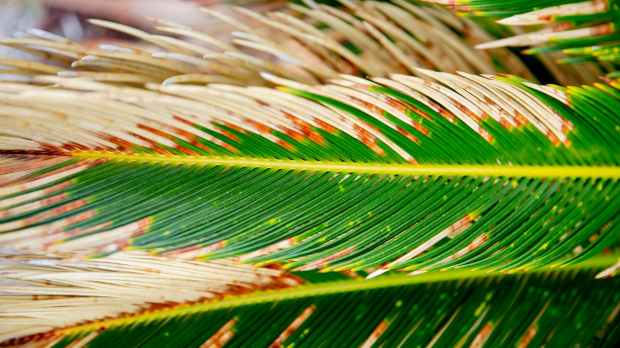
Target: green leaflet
{"points": [[530, 310]]}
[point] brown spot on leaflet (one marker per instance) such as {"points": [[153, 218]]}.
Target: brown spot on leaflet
{"points": [[325, 126], [553, 138], [295, 135], [368, 140], [293, 326], [123, 145], [153, 144], [520, 120], [505, 123], [306, 129], [482, 336], [167, 136], [603, 29], [261, 128], [285, 145], [408, 135], [376, 334]]}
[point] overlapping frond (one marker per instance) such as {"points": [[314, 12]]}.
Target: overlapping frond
{"points": [[584, 30], [403, 119], [543, 309], [308, 44], [41, 293]]}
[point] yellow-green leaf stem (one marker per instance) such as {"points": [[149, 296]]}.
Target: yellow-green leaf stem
{"points": [[606, 172]]}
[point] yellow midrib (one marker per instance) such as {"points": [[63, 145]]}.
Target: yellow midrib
{"points": [[603, 172], [326, 288]]}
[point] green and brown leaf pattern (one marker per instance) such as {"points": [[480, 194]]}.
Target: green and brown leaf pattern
{"points": [[355, 175], [309, 181], [584, 30]]}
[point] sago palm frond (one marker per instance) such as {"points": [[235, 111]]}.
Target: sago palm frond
{"points": [[295, 187], [585, 30], [357, 174], [445, 309], [308, 44], [42, 293]]}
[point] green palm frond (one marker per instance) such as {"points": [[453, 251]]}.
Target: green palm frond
{"points": [[356, 175], [551, 309], [584, 30]]}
